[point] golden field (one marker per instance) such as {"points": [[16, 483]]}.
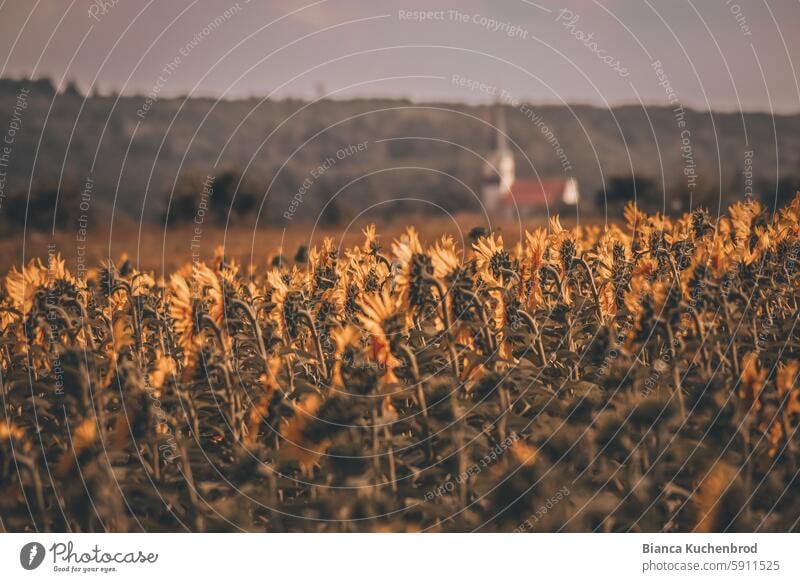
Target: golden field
{"points": [[639, 376]]}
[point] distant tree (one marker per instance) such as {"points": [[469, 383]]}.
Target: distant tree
{"points": [[232, 193], [183, 205], [333, 213], [780, 193], [42, 86], [222, 194], [620, 189], [72, 90], [46, 208]]}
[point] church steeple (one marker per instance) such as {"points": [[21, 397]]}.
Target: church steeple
{"points": [[499, 135], [499, 169]]}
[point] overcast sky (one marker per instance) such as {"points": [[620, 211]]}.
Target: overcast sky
{"points": [[716, 54]]}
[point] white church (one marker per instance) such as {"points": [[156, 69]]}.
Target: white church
{"points": [[504, 193]]}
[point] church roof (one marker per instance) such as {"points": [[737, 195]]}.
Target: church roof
{"points": [[534, 192]]}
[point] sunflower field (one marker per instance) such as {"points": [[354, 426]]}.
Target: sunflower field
{"points": [[634, 377]]}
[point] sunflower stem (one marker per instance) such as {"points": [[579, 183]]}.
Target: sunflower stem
{"points": [[556, 277], [595, 295], [317, 343], [676, 377], [256, 330], [535, 329], [448, 324], [426, 431]]}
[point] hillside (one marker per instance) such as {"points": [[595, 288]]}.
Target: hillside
{"points": [[133, 151]]}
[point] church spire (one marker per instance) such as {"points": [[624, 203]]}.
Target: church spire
{"points": [[501, 132], [499, 170]]}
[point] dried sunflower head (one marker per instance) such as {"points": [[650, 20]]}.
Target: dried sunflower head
{"points": [[413, 272], [205, 286], [743, 216], [563, 245], [294, 446], [385, 321], [444, 258], [21, 286], [494, 263], [323, 266], [533, 257], [371, 245], [288, 301], [343, 338], [635, 219], [164, 368], [141, 284], [184, 310]]}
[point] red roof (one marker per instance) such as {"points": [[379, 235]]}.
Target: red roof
{"points": [[539, 193]]}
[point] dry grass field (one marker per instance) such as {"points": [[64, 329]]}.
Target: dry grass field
{"points": [[153, 248]]}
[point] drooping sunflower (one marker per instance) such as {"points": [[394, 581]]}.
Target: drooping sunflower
{"points": [[323, 266], [260, 408], [446, 270], [286, 294], [609, 300], [371, 246], [644, 301], [164, 368], [787, 229], [460, 281], [759, 244], [328, 313], [613, 268], [295, 446], [57, 271], [701, 224], [141, 284], [343, 338], [720, 254], [743, 216], [21, 286], [384, 319], [608, 274], [181, 309], [208, 289], [495, 264], [636, 220], [372, 269], [444, 258], [563, 246], [413, 269], [530, 287]]}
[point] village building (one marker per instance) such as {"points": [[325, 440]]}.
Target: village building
{"points": [[504, 193]]}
